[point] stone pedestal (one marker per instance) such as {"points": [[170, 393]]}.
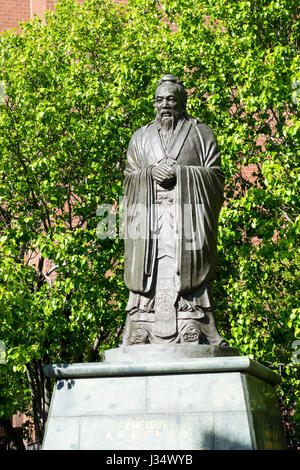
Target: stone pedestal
{"points": [[142, 397]]}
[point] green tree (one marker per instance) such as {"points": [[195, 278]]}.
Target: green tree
{"points": [[77, 85]]}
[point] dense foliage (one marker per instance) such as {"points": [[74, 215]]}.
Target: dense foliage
{"points": [[77, 85]]}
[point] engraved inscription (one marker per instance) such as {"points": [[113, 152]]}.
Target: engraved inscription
{"points": [[146, 424]]}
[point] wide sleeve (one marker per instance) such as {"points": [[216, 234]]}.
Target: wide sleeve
{"points": [[199, 201], [138, 219]]}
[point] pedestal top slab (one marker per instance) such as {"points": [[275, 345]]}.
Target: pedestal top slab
{"points": [[162, 367]]}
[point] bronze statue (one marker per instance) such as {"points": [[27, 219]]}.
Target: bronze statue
{"points": [[173, 196]]}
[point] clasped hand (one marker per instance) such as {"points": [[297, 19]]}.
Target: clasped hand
{"points": [[164, 174]]}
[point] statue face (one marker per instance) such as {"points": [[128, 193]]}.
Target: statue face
{"points": [[168, 101]]}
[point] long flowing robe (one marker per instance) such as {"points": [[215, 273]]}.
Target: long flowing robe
{"points": [[198, 200]]}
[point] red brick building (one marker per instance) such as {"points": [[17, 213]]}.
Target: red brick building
{"points": [[14, 11]]}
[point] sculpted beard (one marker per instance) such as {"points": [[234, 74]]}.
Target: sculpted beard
{"points": [[167, 123]]}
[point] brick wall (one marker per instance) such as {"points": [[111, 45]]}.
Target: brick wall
{"points": [[37, 7], [50, 4], [12, 12]]}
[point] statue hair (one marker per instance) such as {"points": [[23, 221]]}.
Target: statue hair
{"points": [[171, 78]]}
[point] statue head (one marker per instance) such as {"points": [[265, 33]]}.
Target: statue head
{"points": [[170, 100]]}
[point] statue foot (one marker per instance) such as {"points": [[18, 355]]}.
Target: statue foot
{"points": [[139, 336]]}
